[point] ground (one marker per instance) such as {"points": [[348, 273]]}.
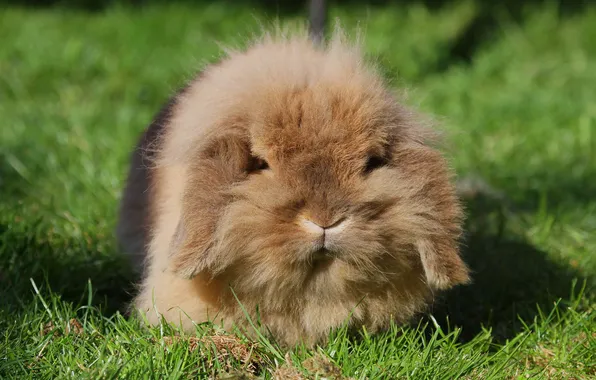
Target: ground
{"points": [[514, 89]]}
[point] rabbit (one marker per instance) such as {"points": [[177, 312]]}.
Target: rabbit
{"points": [[287, 183]]}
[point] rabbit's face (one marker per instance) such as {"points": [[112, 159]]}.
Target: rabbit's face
{"points": [[322, 189]]}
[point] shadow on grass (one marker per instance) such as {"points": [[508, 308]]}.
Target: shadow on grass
{"points": [[62, 266], [31, 250], [511, 279]]}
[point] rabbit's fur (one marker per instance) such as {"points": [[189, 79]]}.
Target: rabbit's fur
{"points": [[229, 183]]}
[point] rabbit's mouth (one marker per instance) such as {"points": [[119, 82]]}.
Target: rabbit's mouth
{"points": [[322, 254], [322, 258]]}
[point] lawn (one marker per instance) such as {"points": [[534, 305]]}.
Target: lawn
{"points": [[513, 88]]}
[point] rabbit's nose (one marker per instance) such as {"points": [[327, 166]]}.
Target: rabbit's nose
{"points": [[326, 229], [316, 225]]}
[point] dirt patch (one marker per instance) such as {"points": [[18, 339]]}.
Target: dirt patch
{"points": [[227, 350], [287, 371], [318, 367], [73, 326]]}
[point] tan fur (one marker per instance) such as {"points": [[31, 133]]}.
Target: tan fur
{"points": [[315, 115]]}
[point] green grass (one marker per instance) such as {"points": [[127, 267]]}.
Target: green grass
{"points": [[518, 105]]}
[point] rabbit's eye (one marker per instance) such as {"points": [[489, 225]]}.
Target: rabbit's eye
{"points": [[257, 164], [373, 163]]}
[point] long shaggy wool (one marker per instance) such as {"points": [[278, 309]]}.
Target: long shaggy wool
{"points": [[289, 178]]}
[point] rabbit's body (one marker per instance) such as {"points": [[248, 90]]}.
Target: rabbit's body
{"points": [[291, 175]]}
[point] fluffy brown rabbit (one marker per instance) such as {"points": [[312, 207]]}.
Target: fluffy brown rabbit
{"points": [[290, 174]]}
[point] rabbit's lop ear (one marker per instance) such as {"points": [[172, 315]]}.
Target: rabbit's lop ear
{"points": [[220, 164], [442, 264], [188, 257]]}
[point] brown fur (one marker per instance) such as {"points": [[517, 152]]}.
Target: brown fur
{"points": [[315, 116]]}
